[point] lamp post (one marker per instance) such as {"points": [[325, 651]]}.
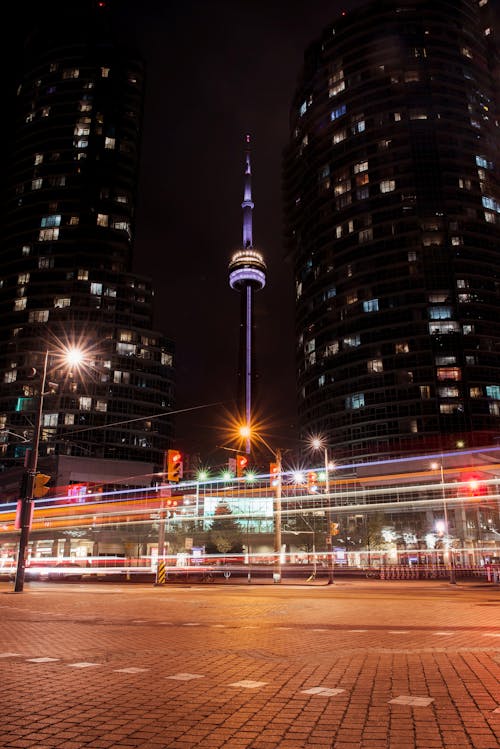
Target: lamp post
{"points": [[246, 433], [73, 356], [446, 527], [317, 444]]}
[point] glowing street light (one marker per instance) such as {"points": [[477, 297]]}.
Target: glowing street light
{"points": [[434, 467], [247, 433], [317, 443], [72, 357]]}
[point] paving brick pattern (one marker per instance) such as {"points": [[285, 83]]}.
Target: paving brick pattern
{"points": [[372, 665]]}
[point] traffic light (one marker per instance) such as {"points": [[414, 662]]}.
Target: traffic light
{"points": [[174, 465], [171, 505], [39, 487], [241, 464], [273, 473], [312, 481], [474, 486]]}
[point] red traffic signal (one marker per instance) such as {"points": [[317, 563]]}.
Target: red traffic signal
{"points": [[241, 464], [312, 481], [274, 473], [474, 486]]}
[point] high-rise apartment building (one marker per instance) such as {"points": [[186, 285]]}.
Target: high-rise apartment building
{"points": [[393, 218], [66, 254]]}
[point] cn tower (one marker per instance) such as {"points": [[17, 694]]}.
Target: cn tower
{"points": [[247, 274]]}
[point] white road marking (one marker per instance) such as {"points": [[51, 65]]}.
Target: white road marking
{"points": [[404, 699], [323, 691], [247, 684], [185, 677]]}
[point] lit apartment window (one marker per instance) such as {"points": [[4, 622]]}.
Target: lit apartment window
{"points": [[440, 313], [126, 349], [109, 143], [62, 301], [36, 184], [39, 315], [371, 305], [449, 373], [475, 392], [53, 220], [166, 359], [332, 348], [444, 360], [451, 408], [48, 235], [96, 288], [352, 341], [105, 72], [83, 274], [101, 405], [45, 262], [102, 219], [358, 124], [339, 136], [493, 391], [352, 298], [464, 184], [365, 235], [338, 112], [70, 73], [375, 366], [74, 221], [69, 418], [425, 392], [10, 375], [23, 278], [361, 166], [85, 403], [85, 106], [403, 347], [443, 328], [387, 185], [38, 158], [448, 392], [336, 88], [356, 400]]}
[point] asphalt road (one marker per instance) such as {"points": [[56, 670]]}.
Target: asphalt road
{"points": [[356, 665]]}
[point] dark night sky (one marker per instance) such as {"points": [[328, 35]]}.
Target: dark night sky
{"points": [[216, 70]]}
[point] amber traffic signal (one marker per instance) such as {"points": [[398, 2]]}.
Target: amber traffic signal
{"points": [[174, 465], [39, 487]]}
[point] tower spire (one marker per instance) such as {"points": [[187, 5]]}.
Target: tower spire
{"points": [[247, 204]]}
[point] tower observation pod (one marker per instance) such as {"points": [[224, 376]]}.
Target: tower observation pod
{"points": [[247, 274]]}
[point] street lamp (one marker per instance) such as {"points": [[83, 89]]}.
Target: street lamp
{"points": [[434, 466], [246, 432], [73, 357], [317, 444]]}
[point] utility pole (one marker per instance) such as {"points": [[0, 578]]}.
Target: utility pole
{"points": [[28, 486]]}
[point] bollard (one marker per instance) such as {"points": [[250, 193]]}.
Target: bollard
{"points": [[160, 573]]}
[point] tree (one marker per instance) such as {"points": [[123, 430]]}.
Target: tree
{"points": [[225, 533]]}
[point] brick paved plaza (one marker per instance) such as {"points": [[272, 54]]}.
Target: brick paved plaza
{"points": [[371, 665]]}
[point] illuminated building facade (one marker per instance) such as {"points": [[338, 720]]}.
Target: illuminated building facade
{"points": [[393, 219], [66, 254], [247, 274]]}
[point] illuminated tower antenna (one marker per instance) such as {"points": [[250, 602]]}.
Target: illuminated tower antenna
{"points": [[247, 274]]}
